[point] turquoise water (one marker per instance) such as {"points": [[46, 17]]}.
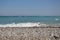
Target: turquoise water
{"points": [[29, 21], [24, 19]]}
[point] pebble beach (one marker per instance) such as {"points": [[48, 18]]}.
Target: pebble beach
{"points": [[29, 33]]}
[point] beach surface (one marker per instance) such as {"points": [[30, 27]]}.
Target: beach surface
{"points": [[29, 33]]}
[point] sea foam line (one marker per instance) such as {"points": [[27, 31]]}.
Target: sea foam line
{"points": [[23, 25]]}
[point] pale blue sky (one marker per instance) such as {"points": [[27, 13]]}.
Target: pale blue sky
{"points": [[29, 7]]}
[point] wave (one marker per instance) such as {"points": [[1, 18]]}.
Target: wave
{"points": [[56, 19], [28, 24]]}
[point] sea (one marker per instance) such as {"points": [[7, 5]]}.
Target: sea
{"points": [[29, 21]]}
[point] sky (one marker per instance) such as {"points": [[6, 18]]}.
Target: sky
{"points": [[29, 7]]}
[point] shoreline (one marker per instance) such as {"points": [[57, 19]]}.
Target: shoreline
{"points": [[33, 27]]}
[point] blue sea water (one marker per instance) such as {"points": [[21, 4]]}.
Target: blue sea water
{"points": [[30, 19]]}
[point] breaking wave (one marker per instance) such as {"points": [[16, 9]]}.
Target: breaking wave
{"points": [[29, 24], [56, 19], [24, 25]]}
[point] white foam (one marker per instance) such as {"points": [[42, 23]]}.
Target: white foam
{"points": [[23, 25], [56, 19]]}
